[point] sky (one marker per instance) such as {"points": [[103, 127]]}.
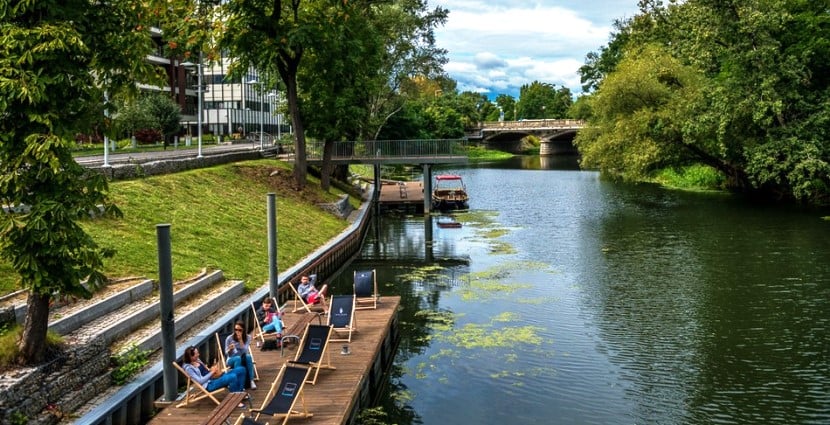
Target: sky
{"points": [[497, 46]]}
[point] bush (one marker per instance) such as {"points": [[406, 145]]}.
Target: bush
{"points": [[691, 177], [128, 363], [147, 136]]}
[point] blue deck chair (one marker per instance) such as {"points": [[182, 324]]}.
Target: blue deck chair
{"points": [[341, 317], [366, 289], [283, 395], [314, 350]]}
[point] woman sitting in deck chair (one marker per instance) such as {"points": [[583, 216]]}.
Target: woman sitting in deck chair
{"points": [[238, 348], [215, 377]]}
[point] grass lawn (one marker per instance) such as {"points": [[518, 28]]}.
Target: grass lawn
{"points": [[218, 221]]}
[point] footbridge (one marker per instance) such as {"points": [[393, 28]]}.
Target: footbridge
{"points": [[425, 153], [431, 151], [556, 135]]}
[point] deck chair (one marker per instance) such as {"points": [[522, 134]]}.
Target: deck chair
{"points": [[283, 395], [258, 333], [341, 317], [299, 300], [366, 289], [314, 350], [194, 391], [220, 344]]}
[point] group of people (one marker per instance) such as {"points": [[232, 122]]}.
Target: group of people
{"points": [[239, 374]]}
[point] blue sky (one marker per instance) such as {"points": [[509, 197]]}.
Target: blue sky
{"points": [[497, 46]]}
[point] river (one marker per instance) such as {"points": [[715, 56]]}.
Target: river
{"points": [[566, 299]]}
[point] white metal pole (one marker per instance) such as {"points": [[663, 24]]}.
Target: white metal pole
{"points": [[199, 120], [106, 138], [261, 117]]}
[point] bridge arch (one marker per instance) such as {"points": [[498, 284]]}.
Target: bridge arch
{"points": [[556, 135]]}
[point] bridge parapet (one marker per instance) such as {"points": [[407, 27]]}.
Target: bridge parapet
{"points": [[546, 124]]}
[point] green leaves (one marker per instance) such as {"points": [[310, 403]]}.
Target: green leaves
{"points": [[739, 86], [56, 61]]}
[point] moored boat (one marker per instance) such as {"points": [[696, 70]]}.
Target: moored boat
{"points": [[449, 193]]}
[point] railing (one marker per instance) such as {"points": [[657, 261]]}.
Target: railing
{"points": [[372, 149], [532, 124]]}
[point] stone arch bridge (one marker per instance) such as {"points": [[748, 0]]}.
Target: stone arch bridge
{"points": [[556, 135]]}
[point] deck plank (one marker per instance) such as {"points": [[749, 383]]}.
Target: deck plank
{"points": [[336, 391]]}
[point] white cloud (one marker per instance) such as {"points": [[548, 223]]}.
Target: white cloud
{"points": [[496, 47]]}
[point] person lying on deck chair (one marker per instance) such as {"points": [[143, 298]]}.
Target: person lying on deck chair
{"points": [[269, 317], [215, 377], [309, 292]]}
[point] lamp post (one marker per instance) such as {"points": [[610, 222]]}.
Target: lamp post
{"points": [[279, 115], [106, 138], [199, 102], [261, 120]]}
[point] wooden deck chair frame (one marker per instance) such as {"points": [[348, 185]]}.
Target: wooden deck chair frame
{"points": [[314, 351], [257, 332], [220, 343], [304, 305], [342, 318], [366, 289], [284, 393], [194, 391]]}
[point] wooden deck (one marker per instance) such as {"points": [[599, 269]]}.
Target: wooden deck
{"points": [[406, 195], [332, 399]]}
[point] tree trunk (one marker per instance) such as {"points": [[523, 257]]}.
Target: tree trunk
{"points": [[288, 63], [33, 342]]}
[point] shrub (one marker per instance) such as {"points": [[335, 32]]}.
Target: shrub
{"points": [[128, 363], [696, 176], [147, 136]]}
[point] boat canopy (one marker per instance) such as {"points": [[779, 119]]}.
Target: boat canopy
{"points": [[447, 177]]}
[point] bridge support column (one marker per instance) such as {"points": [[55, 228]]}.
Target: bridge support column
{"points": [[427, 188], [377, 182]]}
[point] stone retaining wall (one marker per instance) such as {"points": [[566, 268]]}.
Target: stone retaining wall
{"points": [[168, 166], [82, 369]]}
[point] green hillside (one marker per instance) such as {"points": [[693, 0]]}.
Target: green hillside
{"points": [[218, 221]]}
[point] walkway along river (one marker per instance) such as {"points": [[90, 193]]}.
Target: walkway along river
{"points": [[566, 299]]}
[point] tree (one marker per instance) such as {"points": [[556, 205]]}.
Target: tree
{"points": [[56, 60], [354, 65], [273, 37], [742, 87], [543, 100], [335, 87], [507, 104], [167, 115], [599, 64], [131, 117], [407, 29]]}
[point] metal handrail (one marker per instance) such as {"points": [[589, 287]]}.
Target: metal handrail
{"points": [[373, 149]]}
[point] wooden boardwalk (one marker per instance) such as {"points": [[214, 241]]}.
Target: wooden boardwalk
{"points": [[336, 392], [405, 195]]}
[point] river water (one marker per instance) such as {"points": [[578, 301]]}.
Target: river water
{"points": [[566, 299]]}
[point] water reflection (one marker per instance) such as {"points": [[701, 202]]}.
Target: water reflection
{"points": [[563, 296]]}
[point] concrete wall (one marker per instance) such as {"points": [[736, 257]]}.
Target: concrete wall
{"points": [[137, 170]]}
